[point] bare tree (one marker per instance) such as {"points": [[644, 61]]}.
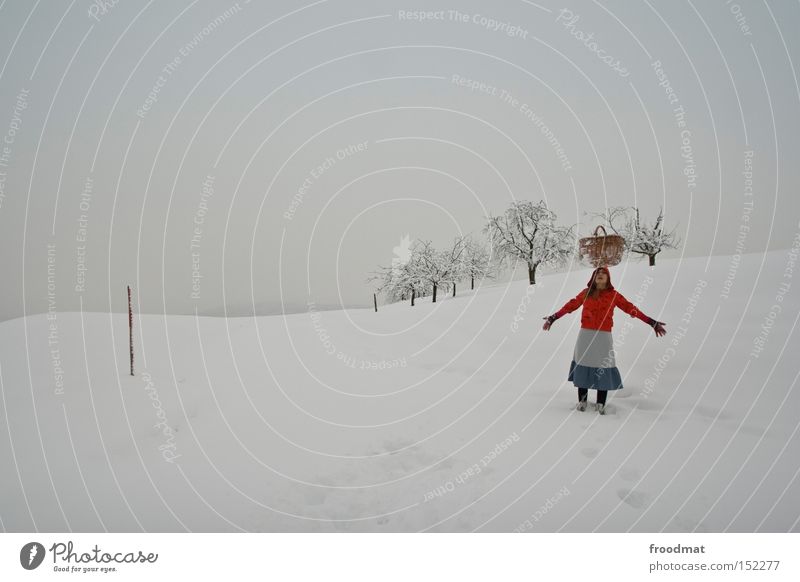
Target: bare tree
{"points": [[476, 261], [454, 261], [382, 280], [617, 219], [399, 281], [438, 268], [651, 240], [528, 232], [640, 237], [410, 282]]}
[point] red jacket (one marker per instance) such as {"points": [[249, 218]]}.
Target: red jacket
{"points": [[598, 311]]}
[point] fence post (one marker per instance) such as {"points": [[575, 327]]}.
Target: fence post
{"points": [[130, 327]]}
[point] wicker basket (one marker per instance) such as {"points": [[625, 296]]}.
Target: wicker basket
{"points": [[602, 251]]}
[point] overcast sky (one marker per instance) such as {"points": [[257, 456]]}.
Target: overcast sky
{"points": [[212, 154]]}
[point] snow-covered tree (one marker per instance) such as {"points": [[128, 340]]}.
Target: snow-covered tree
{"points": [[651, 240], [412, 282], [401, 280], [528, 232], [640, 237], [382, 280], [476, 260], [617, 220], [439, 268]]}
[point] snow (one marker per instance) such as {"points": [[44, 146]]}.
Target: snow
{"points": [[275, 426]]}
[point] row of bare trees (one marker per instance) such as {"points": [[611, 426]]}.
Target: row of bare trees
{"points": [[526, 231], [427, 270]]}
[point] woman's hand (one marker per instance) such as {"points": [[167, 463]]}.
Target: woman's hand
{"points": [[548, 322], [658, 326]]}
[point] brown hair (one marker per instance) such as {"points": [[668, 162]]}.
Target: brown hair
{"points": [[593, 290]]}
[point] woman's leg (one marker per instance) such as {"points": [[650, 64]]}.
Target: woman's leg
{"points": [[583, 394], [601, 396]]}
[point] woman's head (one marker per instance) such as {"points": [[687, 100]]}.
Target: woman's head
{"points": [[601, 279]]}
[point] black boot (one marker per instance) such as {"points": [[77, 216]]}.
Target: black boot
{"points": [[583, 395], [601, 401]]}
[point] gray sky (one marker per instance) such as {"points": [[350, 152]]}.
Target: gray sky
{"points": [[133, 131]]}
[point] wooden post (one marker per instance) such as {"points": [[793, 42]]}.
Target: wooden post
{"points": [[130, 327], [375, 299]]}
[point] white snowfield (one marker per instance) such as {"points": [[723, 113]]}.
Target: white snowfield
{"points": [[441, 417]]}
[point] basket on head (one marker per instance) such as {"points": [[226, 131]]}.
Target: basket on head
{"points": [[602, 251]]}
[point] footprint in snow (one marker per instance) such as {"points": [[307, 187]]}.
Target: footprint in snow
{"points": [[649, 405], [395, 447], [636, 499], [590, 452], [689, 524], [629, 474]]}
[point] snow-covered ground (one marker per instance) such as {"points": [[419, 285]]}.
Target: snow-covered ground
{"points": [[290, 424]]}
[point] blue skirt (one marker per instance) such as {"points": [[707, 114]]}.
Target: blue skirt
{"points": [[593, 363]]}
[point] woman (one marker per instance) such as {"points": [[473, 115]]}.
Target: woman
{"points": [[593, 365]]}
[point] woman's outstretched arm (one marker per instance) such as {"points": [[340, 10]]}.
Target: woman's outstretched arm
{"points": [[572, 304], [633, 311], [569, 307], [630, 308]]}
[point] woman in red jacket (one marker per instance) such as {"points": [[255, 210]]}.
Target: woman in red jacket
{"points": [[593, 364]]}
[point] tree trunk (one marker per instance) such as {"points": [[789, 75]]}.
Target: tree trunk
{"points": [[652, 260], [434, 293], [454, 289], [473, 282], [375, 299], [413, 296], [532, 275]]}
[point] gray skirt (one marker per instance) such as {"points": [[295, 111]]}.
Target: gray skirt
{"points": [[593, 361], [594, 348]]}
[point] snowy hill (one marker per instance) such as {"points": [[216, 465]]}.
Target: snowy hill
{"points": [[443, 417]]}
